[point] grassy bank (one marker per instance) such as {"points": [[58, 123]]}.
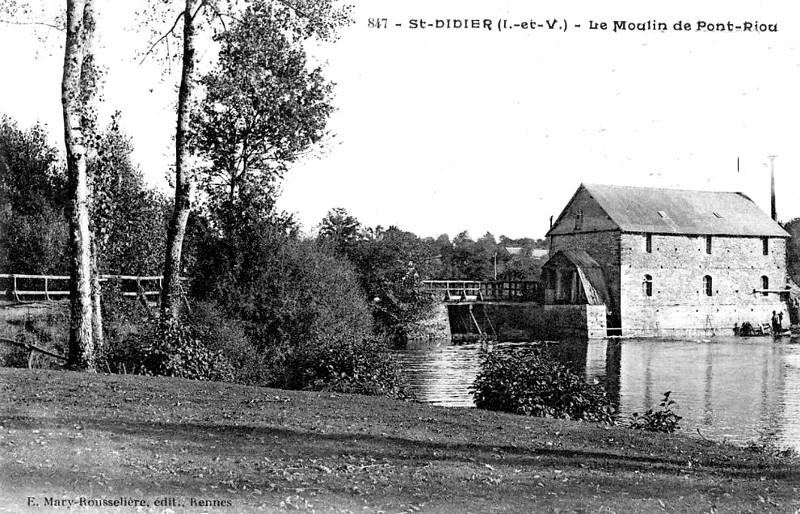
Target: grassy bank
{"points": [[69, 436]]}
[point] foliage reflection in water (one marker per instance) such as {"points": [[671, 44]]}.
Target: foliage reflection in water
{"points": [[732, 389]]}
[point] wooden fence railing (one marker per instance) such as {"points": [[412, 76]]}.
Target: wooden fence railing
{"points": [[476, 290], [23, 287]]}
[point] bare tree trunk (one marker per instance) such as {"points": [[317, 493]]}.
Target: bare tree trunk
{"points": [[97, 313], [171, 291], [81, 344]]}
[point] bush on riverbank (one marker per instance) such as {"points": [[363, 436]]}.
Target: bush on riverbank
{"points": [[527, 382], [300, 307], [389, 265], [168, 348]]}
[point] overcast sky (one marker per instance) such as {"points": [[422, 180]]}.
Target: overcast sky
{"points": [[439, 131]]}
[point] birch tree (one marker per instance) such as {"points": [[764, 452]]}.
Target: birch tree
{"points": [[79, 86], [171, 287], [78, 63]]}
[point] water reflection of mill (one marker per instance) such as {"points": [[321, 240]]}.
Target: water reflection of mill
{"points": [[732, 389]]}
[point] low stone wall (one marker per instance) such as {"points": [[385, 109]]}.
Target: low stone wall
{"points": [[526, 321], [434, 327], [698, 320], [587, 321]]}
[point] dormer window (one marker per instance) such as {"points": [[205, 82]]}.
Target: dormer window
{"points": [[579, 220]]}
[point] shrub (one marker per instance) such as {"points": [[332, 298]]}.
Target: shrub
{"points": [[661, 420], [389, 265], [366, 367], [358, 365], [300, 307], [525, 381], [227, 335], [168, 348]]}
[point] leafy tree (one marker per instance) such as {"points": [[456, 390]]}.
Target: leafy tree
{"points": [[486, 251], [263, 108], [793, 249], [34, 243], [520, 267], [32, 177], [442, 251], [128, 218], [33, 220], [470, 260], [391, 266], [340, 229]]}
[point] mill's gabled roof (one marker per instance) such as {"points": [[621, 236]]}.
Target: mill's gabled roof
{"points": [[579, 258], [677, 211]]}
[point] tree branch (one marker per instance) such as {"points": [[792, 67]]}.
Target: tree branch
{"points": [[218, 15], [163, 37], [200, 6], [29, 346], [294, 8], [40, 23]]}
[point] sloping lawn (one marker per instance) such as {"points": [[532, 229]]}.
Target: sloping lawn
{"points": [[184, 446]]}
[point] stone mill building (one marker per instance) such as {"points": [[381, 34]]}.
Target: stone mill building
{"points": [[667, 262]]}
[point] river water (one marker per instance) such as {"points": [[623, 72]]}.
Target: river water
{"points": [[734, 389]]}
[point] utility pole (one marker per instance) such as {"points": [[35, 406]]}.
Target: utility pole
{"points": [[773, 209]]}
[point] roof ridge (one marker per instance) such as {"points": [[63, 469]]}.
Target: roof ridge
{"points": [[596, 184]]}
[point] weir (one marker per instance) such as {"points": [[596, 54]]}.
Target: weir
{"points": [[469, 310]]}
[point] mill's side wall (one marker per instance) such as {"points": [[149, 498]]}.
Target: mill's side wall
{"points": [[679, 304]]}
